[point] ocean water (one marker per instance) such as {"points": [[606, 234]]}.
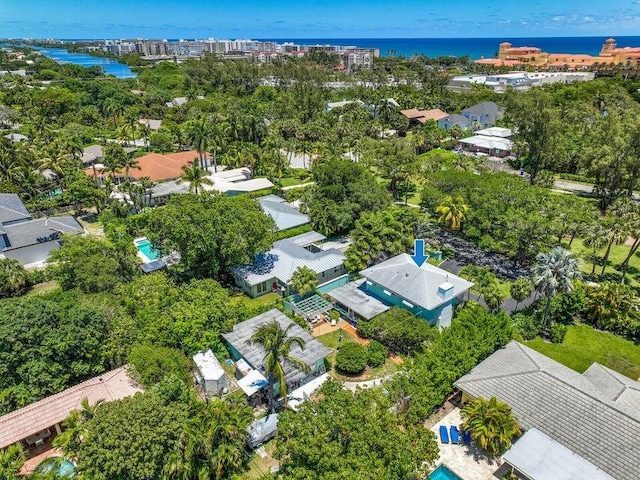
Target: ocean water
{"points": [[109, 65], [473, 47]]}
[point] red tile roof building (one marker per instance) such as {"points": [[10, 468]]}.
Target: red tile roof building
{"points": [[158, 167], [610, 54]]}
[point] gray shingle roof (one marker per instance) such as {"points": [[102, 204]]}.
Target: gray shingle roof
{"points": [[254, 354], [485, 108], [38, 231], [575, 410], [418, 285], [12, 209], [285, 258], [284, 215], [354, 297]]}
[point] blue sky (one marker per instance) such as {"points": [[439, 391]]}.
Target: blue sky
{"points": [[316, 18]]}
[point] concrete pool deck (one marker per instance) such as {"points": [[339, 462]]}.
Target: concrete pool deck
{"points": [[466, 461]]}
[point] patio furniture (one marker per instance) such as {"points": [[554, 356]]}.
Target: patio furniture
{"points": [[466, 436], [444, 435], [333, 322], [455, 438]]}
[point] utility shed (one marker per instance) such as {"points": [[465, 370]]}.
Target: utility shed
{"points": [[209, 373]]}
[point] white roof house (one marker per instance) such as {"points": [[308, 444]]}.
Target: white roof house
{"points": [[237, 180], [284, 214], [284, 259], [495, 132], [210, 373], [489, 143]]}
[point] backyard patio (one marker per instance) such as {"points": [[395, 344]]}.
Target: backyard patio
{"points": [[466, 461]]}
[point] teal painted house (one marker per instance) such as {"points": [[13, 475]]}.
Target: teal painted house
{"points": [[428, 292]]}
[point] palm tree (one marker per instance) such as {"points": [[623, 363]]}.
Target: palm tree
{"points": [[493, 297], [491, 423], [595, 239], [555, 272], [277, 342], [304, 280], [13, 277], [198, 134], [75, 428], [452, 212], [11, 460], [520, 290], [196, 176], [616, 233], [213, 444]]}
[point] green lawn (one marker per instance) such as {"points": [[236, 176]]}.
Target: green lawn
{"points": [[331, 341], [616, 257], [258, 301], [584, 345], [42, 288]]}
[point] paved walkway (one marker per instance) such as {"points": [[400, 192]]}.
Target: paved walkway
{"points": [[466, 461], [302, 185]]}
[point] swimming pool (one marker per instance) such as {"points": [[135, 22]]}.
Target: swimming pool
{"points": [[443, 473], [145, 247], [64, 467]]}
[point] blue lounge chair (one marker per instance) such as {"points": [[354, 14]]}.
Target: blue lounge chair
{"points": [[444, 435], [455, 438], [466, 436]]}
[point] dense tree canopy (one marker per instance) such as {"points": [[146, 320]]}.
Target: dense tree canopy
{"points": [[343, 191], [46, 345], [212, 232], [346, 435]]}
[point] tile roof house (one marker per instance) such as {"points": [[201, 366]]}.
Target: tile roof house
{"points": [[420, 115], [596, 414], [284, 215], [272, 271], [313, 353], [35, 421], [28, 240], [428, 292], [158, 167]]}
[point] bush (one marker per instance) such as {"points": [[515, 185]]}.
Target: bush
{"points": [[376, 354], [352, 358], [399, 330], [152, 364], [558, 332], [528, 326]]}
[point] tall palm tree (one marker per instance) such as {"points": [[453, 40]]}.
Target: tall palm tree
{"points": [[617, 233], [198, 135], [555, 272], [491, 423], [277, 343], [520, 290], [595, 238], [11, 460], [453, 212], [196, 176]]}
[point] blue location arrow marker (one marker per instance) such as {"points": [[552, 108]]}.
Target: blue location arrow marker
{"points": [[418, 252]]}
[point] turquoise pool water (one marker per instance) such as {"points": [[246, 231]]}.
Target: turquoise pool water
{"points": [[333, 284], [147, 249], [65, 468], [443, 473]]}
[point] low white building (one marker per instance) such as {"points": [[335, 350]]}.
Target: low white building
{"points": [[210, 375]]}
